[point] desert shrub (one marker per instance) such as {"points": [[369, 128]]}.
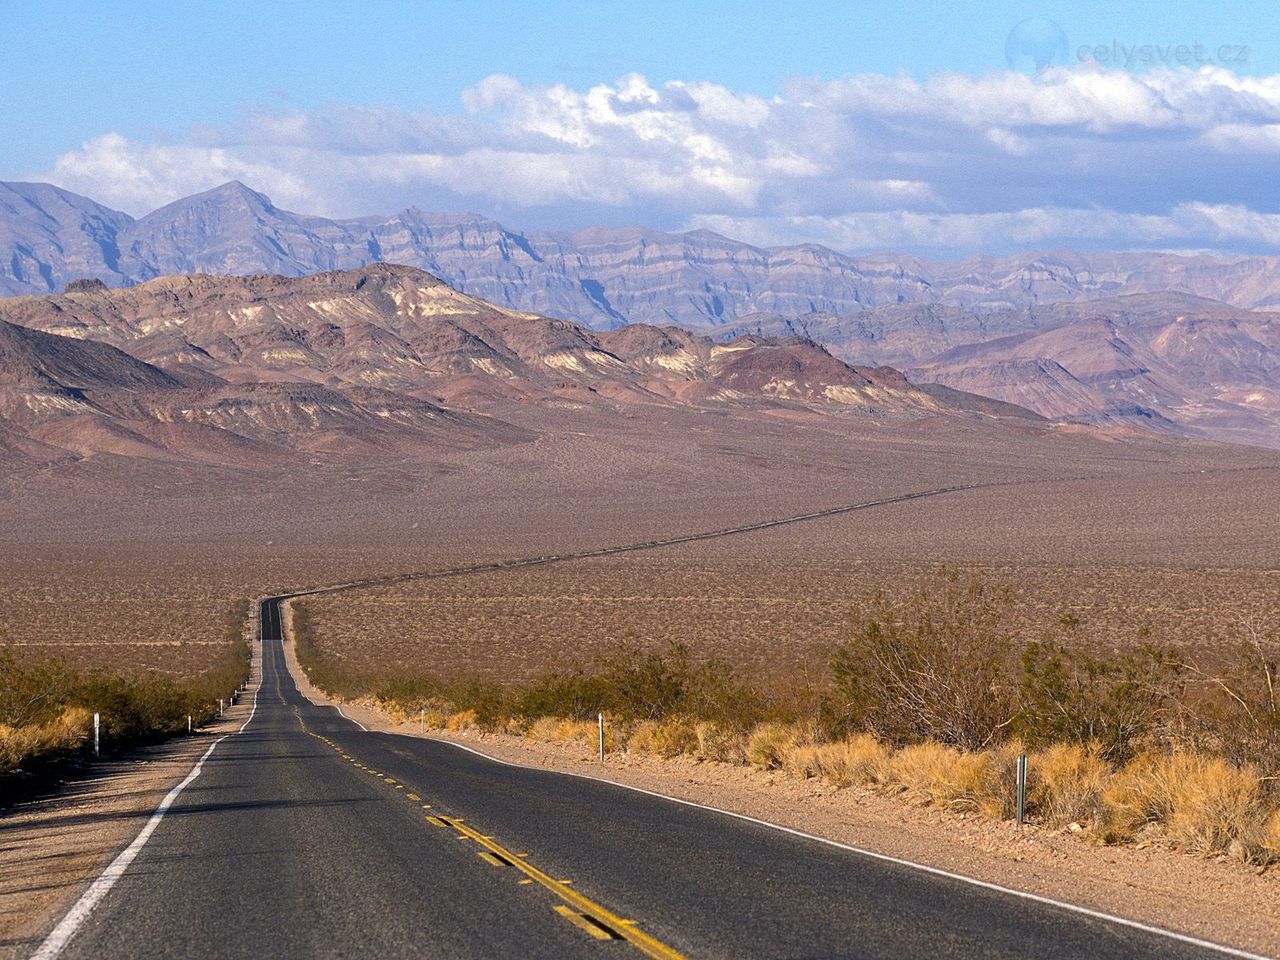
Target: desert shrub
{"points": [[46, 708], [1115, 702], [634, 685], [1237, 713], [574, 694], [770, 744], [32, 695], [1066, 783], [933, 668], [945, 776], [670, 737], [858, 760]]}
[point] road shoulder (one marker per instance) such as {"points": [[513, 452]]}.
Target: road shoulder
{"points": [[53, 847], [1223, 902]]}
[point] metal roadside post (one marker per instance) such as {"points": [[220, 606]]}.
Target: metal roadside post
{"points": [[1022, 788], [600, 718], [96, 724]]}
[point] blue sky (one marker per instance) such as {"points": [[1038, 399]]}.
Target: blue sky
{"points": [[867, 126]]}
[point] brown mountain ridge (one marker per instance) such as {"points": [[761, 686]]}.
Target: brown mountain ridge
{"points": [[381, 359]]}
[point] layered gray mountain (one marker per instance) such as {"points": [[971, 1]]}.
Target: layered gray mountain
{"points": [[1169, 362], [600, 278]]}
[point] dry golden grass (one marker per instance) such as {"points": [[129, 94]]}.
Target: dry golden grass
{"points": [[1189, 801], [671, 737], [1271, 835], [460, 721], [943, 776], [1068, 784], [552, 729], [860, 759], [717, 742], [771, 746], [19, 744], [1199, 802]]}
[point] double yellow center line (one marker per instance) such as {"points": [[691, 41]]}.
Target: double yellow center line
{"points": [[583, 912]]}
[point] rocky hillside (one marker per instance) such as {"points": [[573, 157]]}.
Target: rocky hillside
{"points": [[1207, 372], [599, 278], [1165, 361], [381, 359]]}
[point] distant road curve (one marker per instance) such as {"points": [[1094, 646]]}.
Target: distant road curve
{"points": [[637, 546]]}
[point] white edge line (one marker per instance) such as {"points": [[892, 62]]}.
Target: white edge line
{"points": [[80, 911], [884, 857], [251, 712], [338, 707]]}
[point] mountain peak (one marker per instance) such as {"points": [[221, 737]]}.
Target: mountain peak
{"points": [[234, 190]]}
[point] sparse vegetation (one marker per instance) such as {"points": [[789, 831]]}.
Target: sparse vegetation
{"points": [[932, 697], [46, 708]]}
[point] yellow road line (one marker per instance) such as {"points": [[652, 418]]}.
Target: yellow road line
{"points": [[581, 911], [596, 914], [583, 922]]}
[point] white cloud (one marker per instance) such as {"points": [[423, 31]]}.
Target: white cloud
{"points": [[140, 177], [1081, 155]]}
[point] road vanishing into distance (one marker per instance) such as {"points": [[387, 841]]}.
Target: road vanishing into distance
{"points": [[304, 835]]}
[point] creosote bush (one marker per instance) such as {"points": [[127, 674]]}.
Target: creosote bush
{"points": [[932, 668], [46, 708]]}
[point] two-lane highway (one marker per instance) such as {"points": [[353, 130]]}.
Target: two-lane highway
{"points": [[306, 836]]}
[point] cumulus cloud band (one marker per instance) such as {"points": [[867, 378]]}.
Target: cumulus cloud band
{"points": [[1076, 156]]}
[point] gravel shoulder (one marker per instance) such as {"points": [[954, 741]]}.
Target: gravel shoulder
{"points": [[53, 847], [1215, 900]]}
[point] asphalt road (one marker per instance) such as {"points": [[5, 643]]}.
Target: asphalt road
{"points": [[305, 836]]}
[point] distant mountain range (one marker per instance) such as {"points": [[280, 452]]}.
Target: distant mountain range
{"points": [[1169, 343], [599, 278], [384, 360], [1168, 362]]}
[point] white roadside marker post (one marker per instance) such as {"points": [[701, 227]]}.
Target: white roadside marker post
{"points": [[1022, 788], [188, 723], [96, 724], [422, 721], [600, 718], [220, 707]]}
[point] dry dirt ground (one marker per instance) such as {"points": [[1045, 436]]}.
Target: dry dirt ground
{"points": [[1164, 554], [51, 848], [1219, 901], [133, 565]]}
